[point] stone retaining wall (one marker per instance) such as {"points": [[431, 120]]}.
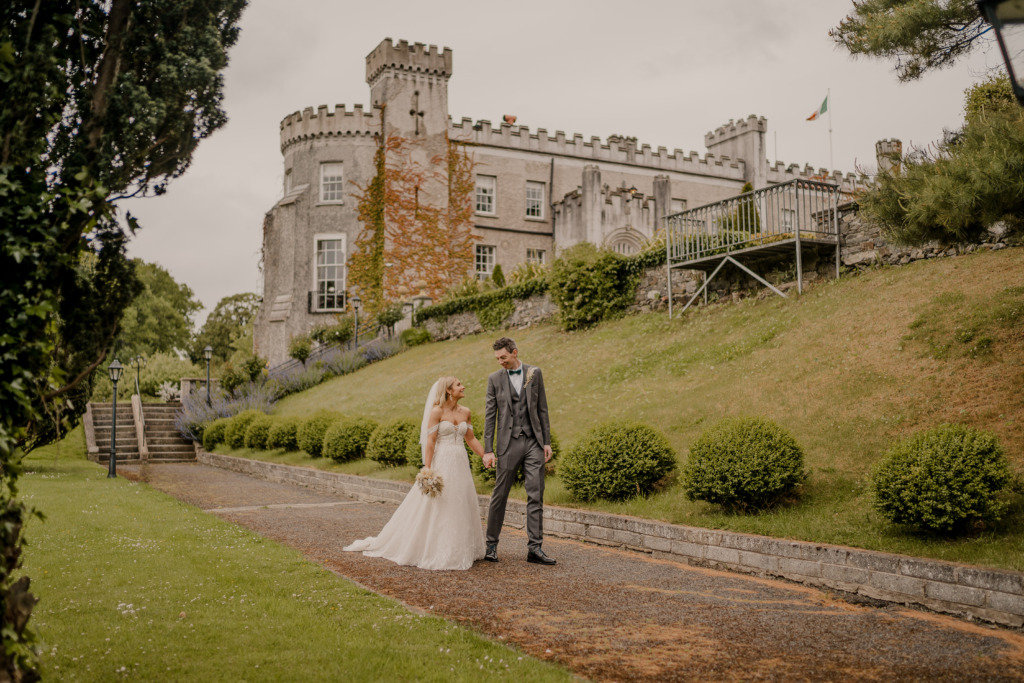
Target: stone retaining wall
{"points": [[527, 312], [971, 592]]}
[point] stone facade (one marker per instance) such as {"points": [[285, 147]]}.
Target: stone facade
{"points": [[527, 312], [549, 190]]}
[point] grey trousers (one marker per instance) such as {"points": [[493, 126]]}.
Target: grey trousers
{"points": [[524, 451]]}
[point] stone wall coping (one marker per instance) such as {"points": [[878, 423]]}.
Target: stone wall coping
{"points": [[992, 595]]}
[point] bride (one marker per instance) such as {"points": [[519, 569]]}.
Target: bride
{"points": [[442, 532]]}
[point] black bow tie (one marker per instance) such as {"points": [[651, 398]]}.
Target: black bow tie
{"points": [[516, 372]]}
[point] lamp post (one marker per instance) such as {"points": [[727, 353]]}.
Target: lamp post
{"points": [[1007, 18], [115, 369], [356, 302], [208, 355]]}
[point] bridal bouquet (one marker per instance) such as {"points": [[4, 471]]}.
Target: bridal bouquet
{"points": [[430, 483]]}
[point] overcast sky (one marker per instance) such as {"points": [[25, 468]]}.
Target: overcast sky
{"points": [[665, 71]]}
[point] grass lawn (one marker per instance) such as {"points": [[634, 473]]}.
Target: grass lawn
{"points": [[848, 367], [134, 584]]}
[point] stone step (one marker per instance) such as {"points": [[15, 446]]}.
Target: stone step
{"points": [[175, 452], [172, 439], [121, 457]]}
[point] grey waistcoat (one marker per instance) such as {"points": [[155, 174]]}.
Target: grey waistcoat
{"points": [[520, 419]]}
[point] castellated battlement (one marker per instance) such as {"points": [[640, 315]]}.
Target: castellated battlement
{"points": [[615, 150], [309, 124], [780, 172], [405, 56], [733, 129]]}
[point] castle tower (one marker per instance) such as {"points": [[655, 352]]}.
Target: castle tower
{"points": [[743, 140], [409, 84], [888, 154]]}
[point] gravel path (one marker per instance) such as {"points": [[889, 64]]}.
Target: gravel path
{"points": [[617, 615]]}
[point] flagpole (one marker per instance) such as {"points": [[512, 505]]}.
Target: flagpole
{"points": [[828, 99]]}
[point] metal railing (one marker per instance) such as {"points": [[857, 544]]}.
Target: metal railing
{"points": [[792, 210]]}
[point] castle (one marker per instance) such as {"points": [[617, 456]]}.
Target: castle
{"points": [[535, 192]]}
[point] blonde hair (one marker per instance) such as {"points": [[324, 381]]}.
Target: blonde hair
{"points": [[444, 386]]}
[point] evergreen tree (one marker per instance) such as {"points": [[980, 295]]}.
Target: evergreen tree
{"points": [[102, 100], [920, 35], [229, 321]]}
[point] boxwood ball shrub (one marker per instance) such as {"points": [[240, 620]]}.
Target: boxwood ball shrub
{"points": [[214, 433], [389, 443], [257, 431], [312, 430], [943, 480], [234, 434], [617, 460], [282, 434], [744, 464], [346, 440]]}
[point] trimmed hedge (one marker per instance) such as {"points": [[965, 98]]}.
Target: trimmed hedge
{"points": [[214, 433], [744, 464], [944, 480], [617, 460], [390, 442], [311, 431], [480, 302], [257, 431], [346, 440], [282, 434], [234, 433], [414, 336]]}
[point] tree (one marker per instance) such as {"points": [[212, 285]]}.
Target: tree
{"points": [[920, 35], [953, 191], [160, 317], [102, 100], [225, 324]]}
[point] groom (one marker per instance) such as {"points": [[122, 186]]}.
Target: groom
{"points": [[517, 414]]}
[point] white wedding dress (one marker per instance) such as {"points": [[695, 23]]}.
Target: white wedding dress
{"points": [[444, 532]]}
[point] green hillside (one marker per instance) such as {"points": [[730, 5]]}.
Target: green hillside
{"points": [[847, 367]]}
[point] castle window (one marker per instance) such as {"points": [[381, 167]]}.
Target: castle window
{"points": [[485, 193], [537, 256], [625, 247], [677, 205], [534, 200], [331, 184], [484, 261], [788, 218], [329, 273]]}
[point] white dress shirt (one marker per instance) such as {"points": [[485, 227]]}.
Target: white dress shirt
{"points": [[517, 379]]}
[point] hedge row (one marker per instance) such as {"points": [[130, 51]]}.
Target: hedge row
{"points": [[947, 480], [586, 282]]}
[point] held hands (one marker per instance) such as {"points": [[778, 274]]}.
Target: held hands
{"points": [[489, 460]]}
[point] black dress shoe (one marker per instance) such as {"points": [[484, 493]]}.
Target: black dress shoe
{"points": [[492, 553], [538, 557]]}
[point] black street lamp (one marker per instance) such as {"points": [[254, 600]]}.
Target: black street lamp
{"points": [[356, 302], [1007, 18], [115, 369], [208, 355]]}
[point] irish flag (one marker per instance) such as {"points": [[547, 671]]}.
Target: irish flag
{"points": [[820, 110]]}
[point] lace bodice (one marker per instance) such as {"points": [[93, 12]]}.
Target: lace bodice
{"points": [[449, 431]]}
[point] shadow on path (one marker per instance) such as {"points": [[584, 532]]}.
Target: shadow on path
{"points": [[612, 614]]}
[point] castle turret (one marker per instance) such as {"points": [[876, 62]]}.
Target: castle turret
{"points": [[743, 140], [410, 82], [888, 154]]}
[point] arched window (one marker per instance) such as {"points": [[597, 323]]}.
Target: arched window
{"points": [[625, 241]]}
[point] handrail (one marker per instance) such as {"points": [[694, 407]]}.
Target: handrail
{"points": [[796, 210], [140, 424]]}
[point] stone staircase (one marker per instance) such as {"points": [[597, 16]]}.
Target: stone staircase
{"points": [[154, 422], [102, 424], [163, 441]]}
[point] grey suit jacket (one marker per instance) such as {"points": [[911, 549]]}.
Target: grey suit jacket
{"points": [[498, 409]]}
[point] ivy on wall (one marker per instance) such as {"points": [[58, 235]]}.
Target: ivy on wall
{"points": [[429, 245]]}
